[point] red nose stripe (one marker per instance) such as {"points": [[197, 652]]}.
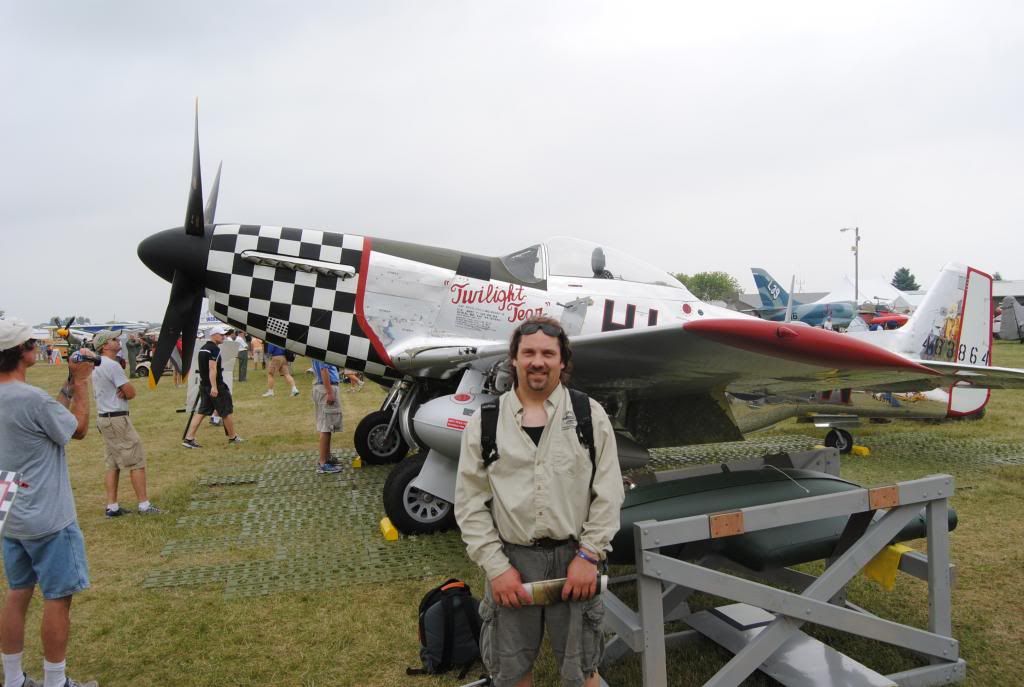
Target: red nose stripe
{"points": [[802, 344]]}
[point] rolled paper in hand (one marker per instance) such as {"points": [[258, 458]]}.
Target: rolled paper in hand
{"points": [[547, 592]]}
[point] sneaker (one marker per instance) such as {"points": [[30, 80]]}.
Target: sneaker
{"points": [[268, 393], [190, 443], [236, 440], [295, 392], [76, 683], [117, 512], [29, 682], [327, 469], [152, 510], [214, 421], [333, 460]]}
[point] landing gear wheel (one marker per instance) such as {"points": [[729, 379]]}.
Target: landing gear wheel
{"points": [[840, 439], [375, 444], [413, 511]]}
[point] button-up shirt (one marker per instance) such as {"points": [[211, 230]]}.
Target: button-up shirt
{"points": [[537, 491]]}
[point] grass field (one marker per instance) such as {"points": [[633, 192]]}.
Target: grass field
{"points": [[344, 631]]}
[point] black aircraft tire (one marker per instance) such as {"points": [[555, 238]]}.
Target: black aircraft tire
{"points": [[840, 439], [412, 511], [373, 442]]}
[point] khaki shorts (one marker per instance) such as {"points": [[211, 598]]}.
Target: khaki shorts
{"points": [[278, 365], [510, 638], [124, 447], [328, 418]]}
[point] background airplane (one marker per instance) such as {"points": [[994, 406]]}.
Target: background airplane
{"points": [[433, 324], [1011, 321], [950, 315], [775, 299]]}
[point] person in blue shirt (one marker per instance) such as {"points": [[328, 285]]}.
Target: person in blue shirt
{"points": [[278, 366], [328, 411]]}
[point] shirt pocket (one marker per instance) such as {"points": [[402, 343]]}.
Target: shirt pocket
{"points": [[563, 456]]}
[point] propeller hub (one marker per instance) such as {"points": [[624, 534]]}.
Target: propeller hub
{"points": [[173, 250]]}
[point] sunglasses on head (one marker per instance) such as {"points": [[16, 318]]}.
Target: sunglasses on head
{"points": [[534, 327]]}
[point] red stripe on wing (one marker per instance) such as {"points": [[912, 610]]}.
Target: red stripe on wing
{"points": [[802, 344]]}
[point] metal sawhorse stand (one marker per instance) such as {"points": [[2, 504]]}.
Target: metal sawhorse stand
{"points": [[821, 601]]}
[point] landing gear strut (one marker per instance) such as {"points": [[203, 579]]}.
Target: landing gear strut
{"points": [[378, 437]]}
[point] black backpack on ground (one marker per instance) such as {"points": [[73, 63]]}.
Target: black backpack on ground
{"points": [[449, 629], [584, 429]]}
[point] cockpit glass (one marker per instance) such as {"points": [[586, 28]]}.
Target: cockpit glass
{"points": [[569, 257], [526, 264]]}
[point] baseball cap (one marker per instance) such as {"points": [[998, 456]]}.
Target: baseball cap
{"points": [[102, 337], [219, 330], [13, 332]]}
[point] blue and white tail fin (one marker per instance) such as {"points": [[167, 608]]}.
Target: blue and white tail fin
{"points": [[771, 292], [954, 325]]}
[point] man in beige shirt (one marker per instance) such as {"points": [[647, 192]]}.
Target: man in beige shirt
{"points": [[534, 514]]}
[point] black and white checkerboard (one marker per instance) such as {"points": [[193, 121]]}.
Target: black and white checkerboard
{"points": [[309, 313], [9, 484]]}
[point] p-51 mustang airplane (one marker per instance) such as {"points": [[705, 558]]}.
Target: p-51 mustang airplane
{"points": [[775, 301], [434, 323]]}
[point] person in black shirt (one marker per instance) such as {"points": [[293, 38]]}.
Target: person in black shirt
{"points": [[214, 394]]}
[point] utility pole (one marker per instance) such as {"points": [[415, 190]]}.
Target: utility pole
{"points": [[856, 262]]}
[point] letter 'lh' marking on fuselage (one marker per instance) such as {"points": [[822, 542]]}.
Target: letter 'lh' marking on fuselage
{"points": [[610, 325]]}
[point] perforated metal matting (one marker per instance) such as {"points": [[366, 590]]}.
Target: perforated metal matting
{"points": [[269, 523]]}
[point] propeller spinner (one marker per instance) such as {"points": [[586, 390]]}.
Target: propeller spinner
{"points": [[179, 256]]}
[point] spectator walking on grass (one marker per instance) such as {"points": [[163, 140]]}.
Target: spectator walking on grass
{"points": [[355, 383], [133, 346], [257, 353], [328, 411], [278, 366], [124, 449], [214, 394], [242, 361], [42, 543]]}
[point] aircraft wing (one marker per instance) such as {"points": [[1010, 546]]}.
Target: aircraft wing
{"points": [[742, 355], [737, 355]]}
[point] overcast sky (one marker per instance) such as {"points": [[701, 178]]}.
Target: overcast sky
{"points": [[698, 136]]}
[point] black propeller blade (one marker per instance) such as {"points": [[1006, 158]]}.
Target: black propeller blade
{"points": [[183, 260], [194, 222], [180, 319], [211, 202]]}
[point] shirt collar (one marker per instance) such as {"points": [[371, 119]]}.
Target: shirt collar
{"points": [[551, 402]]}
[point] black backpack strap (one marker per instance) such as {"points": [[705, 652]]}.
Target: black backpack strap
{"points": [[473, 618], [584, 428], [449, 633], [489, 432]]}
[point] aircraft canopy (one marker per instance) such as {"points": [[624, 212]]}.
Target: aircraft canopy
{"points": [[570, 257]]}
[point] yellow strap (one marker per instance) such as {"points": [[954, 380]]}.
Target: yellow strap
{"points": [[882, 568]]}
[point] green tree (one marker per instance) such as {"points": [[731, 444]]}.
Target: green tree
{"points": [[904, 280], [710, 286]]}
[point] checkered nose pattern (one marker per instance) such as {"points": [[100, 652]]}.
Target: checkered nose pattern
{"points": [[310, 313]]}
